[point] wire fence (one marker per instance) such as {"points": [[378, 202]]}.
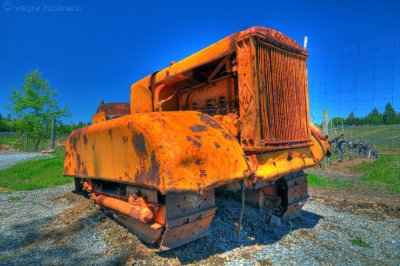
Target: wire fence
{"points": [[356, 85], [31, 142]]}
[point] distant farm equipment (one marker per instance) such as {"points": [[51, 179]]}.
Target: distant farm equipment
{"points": [[353, 148]]}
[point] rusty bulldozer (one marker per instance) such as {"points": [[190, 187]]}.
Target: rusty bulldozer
{"points": [[233, 116]]}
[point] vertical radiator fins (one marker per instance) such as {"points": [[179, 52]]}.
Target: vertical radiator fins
{"points": [[282, 80]]}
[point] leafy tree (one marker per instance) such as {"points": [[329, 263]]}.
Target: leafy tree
{"points": [[337, 121], [374, 118], [34, 105], [389, 115], [351, 119], [6, 124], [359, 121]]}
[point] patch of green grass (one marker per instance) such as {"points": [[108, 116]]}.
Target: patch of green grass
{"points": [[35, 174], [106, 239], [15, 198], [358, 241], [322, 181], [14, 141], [381, 173]]}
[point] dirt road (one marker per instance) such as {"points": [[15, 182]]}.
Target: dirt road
{"points": [[8, 160], [56, 226]]}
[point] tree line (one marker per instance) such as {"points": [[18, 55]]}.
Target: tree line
{"points": [[8, 124], [388, 117]]}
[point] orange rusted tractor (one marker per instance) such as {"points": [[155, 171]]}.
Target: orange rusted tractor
{"points": [[232, 116]]}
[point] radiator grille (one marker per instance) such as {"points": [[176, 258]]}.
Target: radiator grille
{"points": [[282, 81]]}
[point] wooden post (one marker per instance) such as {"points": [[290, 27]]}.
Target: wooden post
{"points": [[325, 122], [43, 137], [26, 141], [325, 129], [53, 128]]}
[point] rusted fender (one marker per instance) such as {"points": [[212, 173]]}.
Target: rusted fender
{"points": [[168, 151], [271, 166], [136, 209]]}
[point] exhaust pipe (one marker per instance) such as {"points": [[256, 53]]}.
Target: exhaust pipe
{"points": [[318, 132], [135, 208]]}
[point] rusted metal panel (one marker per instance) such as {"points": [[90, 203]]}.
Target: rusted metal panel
{"points": [[147, 233], [141, 96], [273, 97], [150, 195], [107, 111], [186, 233], [272, 36], [248, 95], [296, 195], [273, 165], [171, 223], [167, 151], [230, 121], [99, 117], [282, 81], [185, 204], [297, 190], [217, 98], [114, 109]]}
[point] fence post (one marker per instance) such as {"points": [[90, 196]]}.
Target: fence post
{"points": [[325, 122], [43, 137], [26, 141], [325, 129], [53, 128]]}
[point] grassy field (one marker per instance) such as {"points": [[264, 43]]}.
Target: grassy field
{"points": [[381, 174], [34, 174], [384, 137]]}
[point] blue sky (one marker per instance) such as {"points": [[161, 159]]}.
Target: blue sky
{"points": [[97, 49]]}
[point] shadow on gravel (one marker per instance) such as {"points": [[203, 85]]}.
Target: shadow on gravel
{"points": [[22, 233], [223, 232], [39, 242]]}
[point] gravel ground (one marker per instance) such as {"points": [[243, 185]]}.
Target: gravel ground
{"points": [[38, 228], [7, 160], [55, 226]]}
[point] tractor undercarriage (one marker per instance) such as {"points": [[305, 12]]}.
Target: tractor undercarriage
{"points": [[175, 219]]}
